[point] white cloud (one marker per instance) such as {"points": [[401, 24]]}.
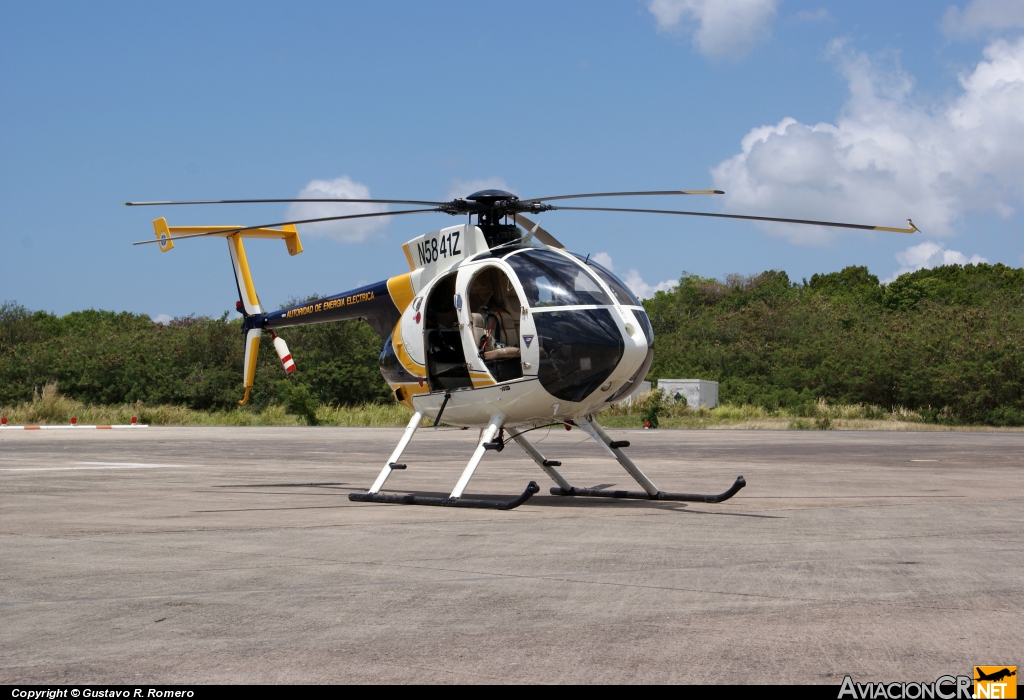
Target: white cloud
{"points": [[888, 157], [981, 17], [462, 188], [928, 255], [163, 319], [720, 28], [819, 15], [633, 279], [352, 230], [643, 290]]}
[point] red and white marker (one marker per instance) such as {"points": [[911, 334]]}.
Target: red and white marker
{"points": [[283, 353], [76, 426]]}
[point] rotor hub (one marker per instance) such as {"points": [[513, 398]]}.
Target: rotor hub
{"points": [[493, 208], [491, 198], [492, 205]]}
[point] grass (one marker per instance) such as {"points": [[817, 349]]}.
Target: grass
{"points": [[367, 414], [816, 416], [51, 408]]}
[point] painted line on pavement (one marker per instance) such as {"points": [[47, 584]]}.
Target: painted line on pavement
{"points": [[101, 465]]}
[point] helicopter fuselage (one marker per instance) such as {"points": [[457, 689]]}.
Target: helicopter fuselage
{"points": [[521, 330]]}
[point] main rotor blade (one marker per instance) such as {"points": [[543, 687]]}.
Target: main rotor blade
{"points": [[278, 201], [223, 232], [622, 194], [833, 224], [538, 233]]}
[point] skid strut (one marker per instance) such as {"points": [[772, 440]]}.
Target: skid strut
{"points": [[488, 438], [546, 464], [650, 492]]}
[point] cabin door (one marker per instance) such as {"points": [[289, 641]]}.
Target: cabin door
{"points": [[492, 319], [446, 358]]}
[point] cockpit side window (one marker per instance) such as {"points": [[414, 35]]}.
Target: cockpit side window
{"points": [[619, 289], [550, 279]]}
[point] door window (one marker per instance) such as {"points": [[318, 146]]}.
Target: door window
{"points": [[495, 314]]}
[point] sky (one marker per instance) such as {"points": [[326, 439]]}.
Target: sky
{"points": [[869, 112]]}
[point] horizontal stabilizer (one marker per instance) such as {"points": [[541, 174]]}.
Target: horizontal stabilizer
{"points": [[167, 234]]}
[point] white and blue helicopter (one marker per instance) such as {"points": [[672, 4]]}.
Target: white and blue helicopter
{"points": [[496, 326]]}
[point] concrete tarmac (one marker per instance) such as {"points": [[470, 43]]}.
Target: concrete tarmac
{"points": [[191, 555]]}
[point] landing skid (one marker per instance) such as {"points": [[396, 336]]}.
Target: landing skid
{"points": [[614, 448], [416, 500], [490, 439], [660, 496]]}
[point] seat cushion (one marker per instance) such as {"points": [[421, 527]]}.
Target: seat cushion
{"points": [[501, 353]]}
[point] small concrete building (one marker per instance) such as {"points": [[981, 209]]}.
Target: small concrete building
{"points": [[644, 388], [696, 392]]}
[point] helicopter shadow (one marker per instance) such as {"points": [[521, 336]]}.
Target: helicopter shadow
{"points": [[545, 501]]}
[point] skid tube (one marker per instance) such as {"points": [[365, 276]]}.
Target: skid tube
{"points": [[660, 496], [416, 500]]}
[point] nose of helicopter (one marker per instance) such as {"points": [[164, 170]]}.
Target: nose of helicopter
{"points": [[581, 348]]}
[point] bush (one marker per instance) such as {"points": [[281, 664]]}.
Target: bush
{"points": [[108, 358], [950, 337]]}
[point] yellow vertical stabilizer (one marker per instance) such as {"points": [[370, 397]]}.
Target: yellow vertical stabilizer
{"points": [[163, 234], [252, 351]]}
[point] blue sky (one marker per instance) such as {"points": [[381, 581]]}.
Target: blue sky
{"points": [[870, 112]]}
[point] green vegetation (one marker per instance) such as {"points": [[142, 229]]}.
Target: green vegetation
{"points": [[819, 415], [945, 343], [107, 358], [939, 346]]}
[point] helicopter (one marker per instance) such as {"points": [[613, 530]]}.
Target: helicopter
{"points": [[496, 326]]}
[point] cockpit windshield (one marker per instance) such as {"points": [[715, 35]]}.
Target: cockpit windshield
{"points": [[550, 279], [619, 289]]}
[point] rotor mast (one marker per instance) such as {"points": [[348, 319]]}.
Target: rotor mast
{"points": [[493, 209]]}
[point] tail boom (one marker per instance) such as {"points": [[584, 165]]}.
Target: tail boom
{"points": [[380, 304]]}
